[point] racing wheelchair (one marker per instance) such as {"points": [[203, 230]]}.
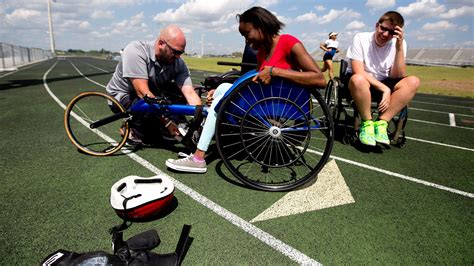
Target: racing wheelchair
{"points": [[340, 102], [272, 137]]}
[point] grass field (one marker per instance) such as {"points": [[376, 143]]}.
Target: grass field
{"points": [[412, 205]]}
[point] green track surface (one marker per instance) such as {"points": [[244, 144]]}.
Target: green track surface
{"points": [[54, 197]]}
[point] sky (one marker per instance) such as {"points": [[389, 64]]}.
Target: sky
{"points": [[211, 27]]}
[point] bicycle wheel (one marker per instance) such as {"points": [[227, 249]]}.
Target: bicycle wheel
{"points": [[92, 127], [275, 137]]}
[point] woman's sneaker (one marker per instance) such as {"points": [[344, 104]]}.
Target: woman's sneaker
{"points": [[366, 133], [381, 135], [187, 164]]}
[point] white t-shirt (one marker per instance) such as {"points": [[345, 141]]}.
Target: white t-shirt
{"points": [[330, 43], [378, 61]]}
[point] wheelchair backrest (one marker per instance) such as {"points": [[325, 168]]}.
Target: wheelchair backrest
{"points": [[249, 57], [343, 69]]}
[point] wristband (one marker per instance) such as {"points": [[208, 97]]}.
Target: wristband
{"points": [[271, 71]]}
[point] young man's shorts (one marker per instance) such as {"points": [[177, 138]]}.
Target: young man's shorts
{"points": [[376, 94]]}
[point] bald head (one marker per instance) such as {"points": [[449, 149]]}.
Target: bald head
{"points": [[173, 35]]}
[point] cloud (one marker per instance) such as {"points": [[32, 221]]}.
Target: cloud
{"points": [[379, 4], [458, 12], [355, 25], [439, 26], [201, 14], [266, 3], [101, 14], [24, 19], [307, 17], [422, 8], [319, 8], [464, 28], [338, 14], [333, 15], [133, 25], [73, 25], [21, 14]]}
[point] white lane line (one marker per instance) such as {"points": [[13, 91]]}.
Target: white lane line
{"points": [[439, 124], [390, 173], [251, 229], [96, 67], [93, 81], [439, 112], [447, 105], [441, 144], [452, 120]]}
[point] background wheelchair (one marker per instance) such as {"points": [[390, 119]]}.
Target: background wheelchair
{"points": [[339, 101], [271, 137]]}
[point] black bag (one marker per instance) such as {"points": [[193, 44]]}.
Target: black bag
{"points": [[135, 251]]}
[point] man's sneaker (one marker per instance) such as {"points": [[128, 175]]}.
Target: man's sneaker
{"points": [[187, 164], [366, 133], [381, 132]]}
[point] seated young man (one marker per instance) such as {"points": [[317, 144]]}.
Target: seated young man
{"points": [[377, 64]]}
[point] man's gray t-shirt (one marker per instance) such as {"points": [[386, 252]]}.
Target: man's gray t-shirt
{"points": [[138, 61]]}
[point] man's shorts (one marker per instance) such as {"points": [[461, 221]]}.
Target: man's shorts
{"points": [[376, 94]]}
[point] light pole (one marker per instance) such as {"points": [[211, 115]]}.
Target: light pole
{"points": [[202, 44], [51, 36]]}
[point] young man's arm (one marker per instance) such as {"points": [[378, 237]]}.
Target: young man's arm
{"points": [[399, 67]]}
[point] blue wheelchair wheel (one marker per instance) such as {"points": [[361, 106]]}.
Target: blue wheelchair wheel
{"points": [[274, 137]]}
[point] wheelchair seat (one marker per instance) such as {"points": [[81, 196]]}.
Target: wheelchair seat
{"points": [[339, 101]]}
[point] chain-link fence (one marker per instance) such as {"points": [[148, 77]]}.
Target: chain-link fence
{"points": [[13, 56]]}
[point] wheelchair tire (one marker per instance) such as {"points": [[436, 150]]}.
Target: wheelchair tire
{"points": [[396, 131], [331, 95], [275, 137], [89, 107]]}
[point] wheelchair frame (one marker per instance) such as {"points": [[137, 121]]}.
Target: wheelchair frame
{"points": [[339, 100], [271, 137]]}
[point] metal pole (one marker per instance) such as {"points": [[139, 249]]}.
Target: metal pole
{"points": [[3, 57], [202, 44], [50, 21]]}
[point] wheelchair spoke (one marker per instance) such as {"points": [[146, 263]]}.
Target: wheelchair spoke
{"points": [[264, 143]]}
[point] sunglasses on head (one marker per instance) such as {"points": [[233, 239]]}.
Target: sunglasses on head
{"points": [[175, 52], [385, 29]]}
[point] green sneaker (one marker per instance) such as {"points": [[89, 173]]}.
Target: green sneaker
{"points": [[381, 132], [366, 134]]}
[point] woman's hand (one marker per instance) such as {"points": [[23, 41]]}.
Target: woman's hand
{"points": [[264, 76]]}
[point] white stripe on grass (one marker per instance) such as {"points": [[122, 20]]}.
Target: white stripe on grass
{"points": [[439, 112], [251, 229], [441, 104], [452, 120], [441, 144]]}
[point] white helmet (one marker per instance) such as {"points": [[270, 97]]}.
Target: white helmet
{"points": [[135, 197]]}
